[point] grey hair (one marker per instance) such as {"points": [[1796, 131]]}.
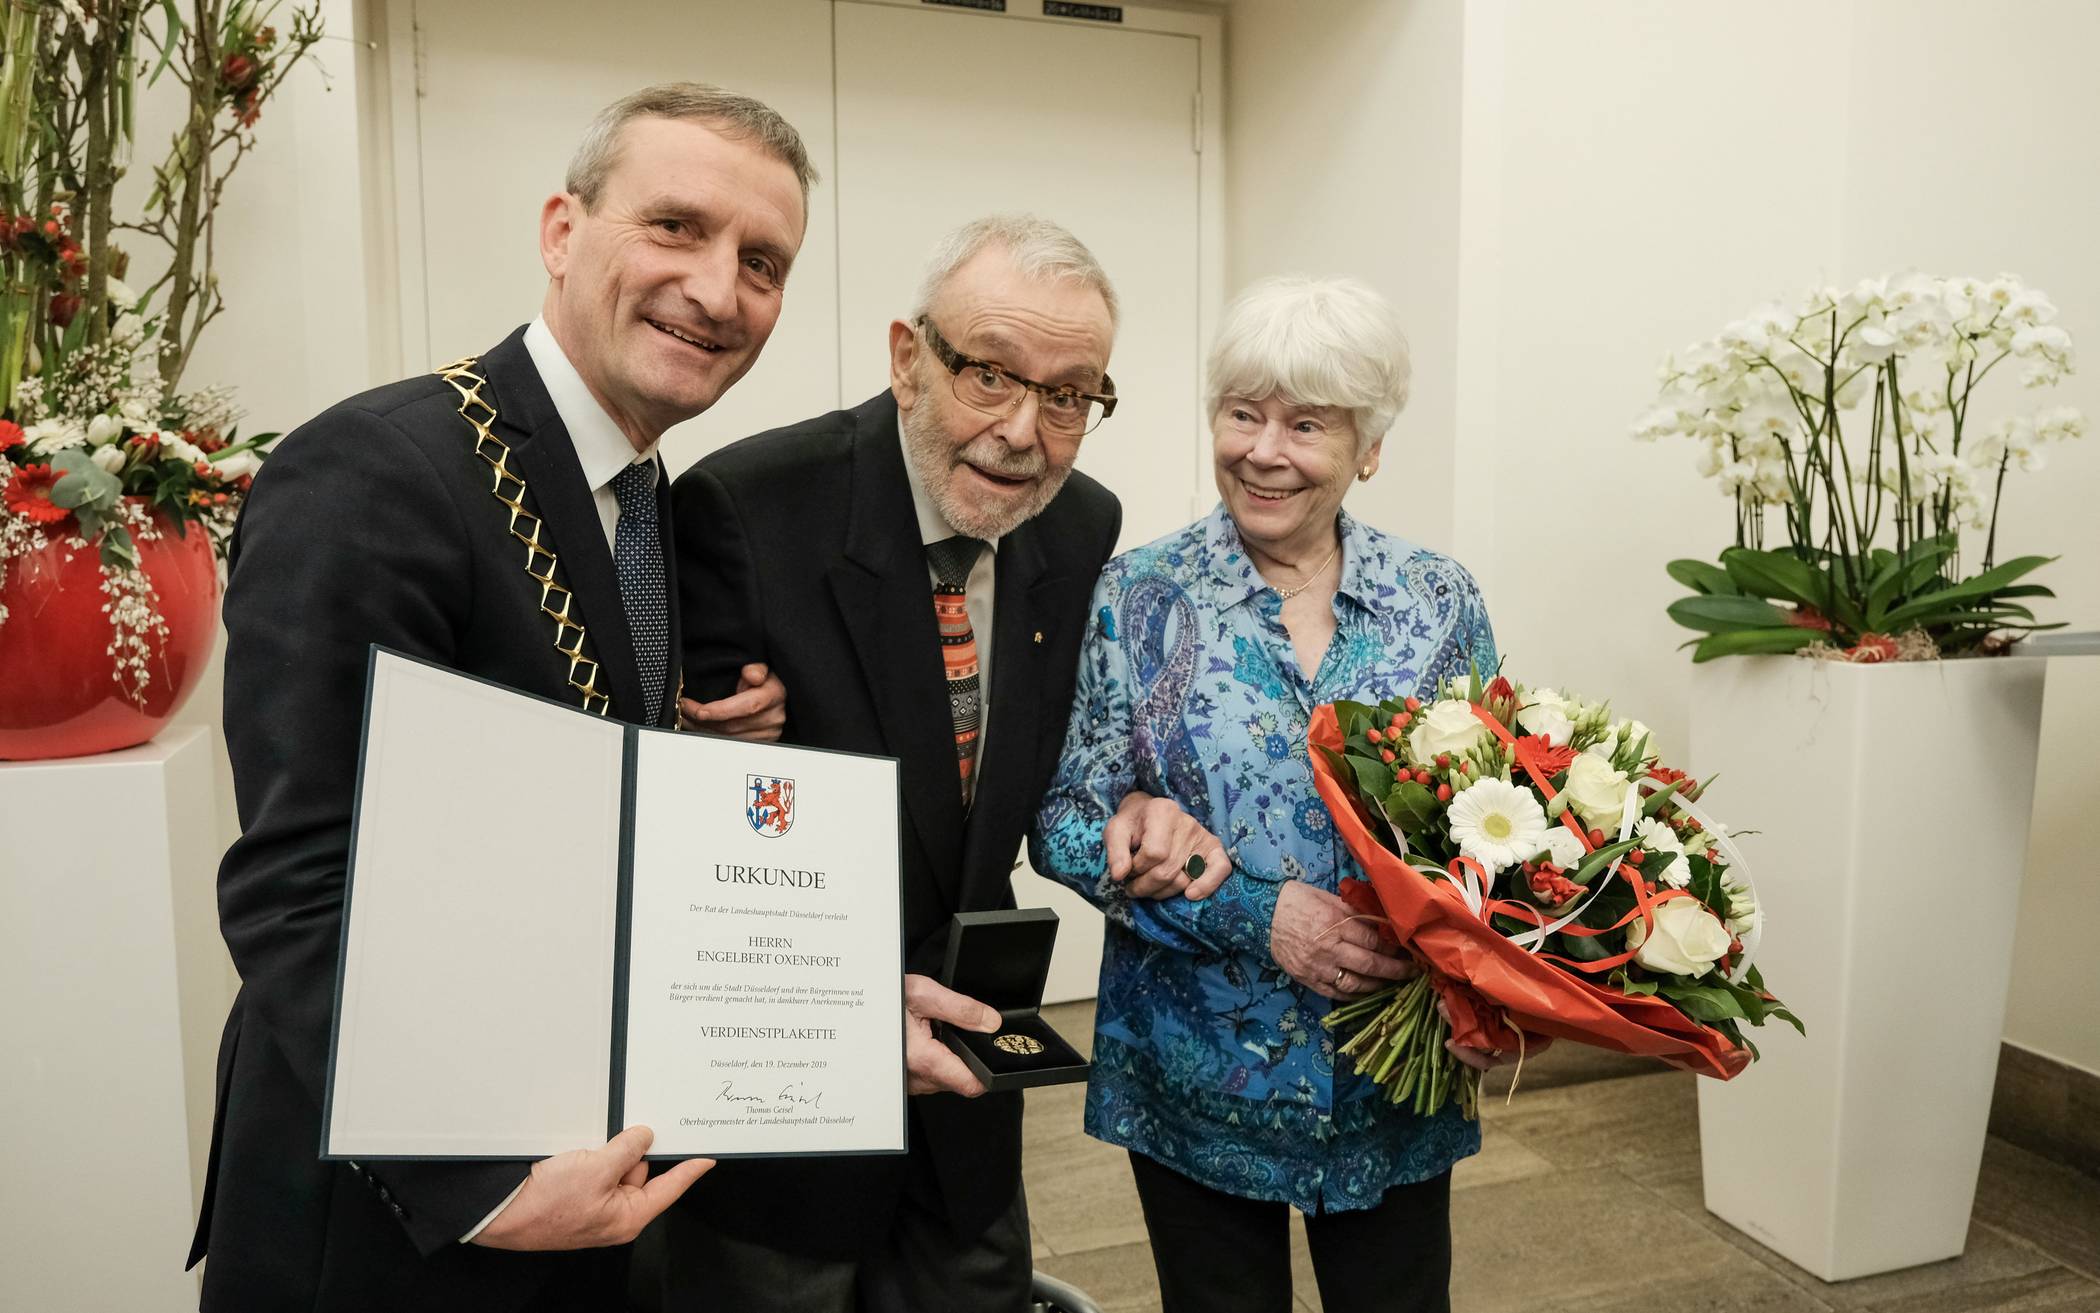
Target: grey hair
{"points": [[1314, 342], [1040, 249], [738, 117]]}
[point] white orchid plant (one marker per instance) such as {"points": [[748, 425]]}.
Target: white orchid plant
{"points": [[1849, 414]]}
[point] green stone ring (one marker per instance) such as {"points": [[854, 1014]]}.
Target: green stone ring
{"points": [[1193, 867]]}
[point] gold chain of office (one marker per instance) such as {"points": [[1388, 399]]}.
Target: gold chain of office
{"points": [[556, 601]]}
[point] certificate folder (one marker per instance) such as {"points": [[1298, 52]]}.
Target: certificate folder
{"points": [[557, 925]]}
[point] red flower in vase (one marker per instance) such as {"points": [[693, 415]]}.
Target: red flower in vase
{"points": [[28, 495], [11, 435]]}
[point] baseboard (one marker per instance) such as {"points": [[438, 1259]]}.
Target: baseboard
{"points": [[2047, 1107]]}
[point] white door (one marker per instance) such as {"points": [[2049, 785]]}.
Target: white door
{"points": [[507, 87], [945, 115], [919, 118]]}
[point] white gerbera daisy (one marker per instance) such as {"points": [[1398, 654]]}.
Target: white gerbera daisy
{"points": [[1497, 824], [1661, 841]]}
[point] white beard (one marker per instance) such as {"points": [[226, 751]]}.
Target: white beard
{"points": [[933, 457]]}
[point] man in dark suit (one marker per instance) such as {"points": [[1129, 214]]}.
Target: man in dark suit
{"points": [[507, 517], [917, 570]]}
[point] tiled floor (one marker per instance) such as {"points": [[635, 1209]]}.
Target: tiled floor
{"points": [[1627, 1230]]}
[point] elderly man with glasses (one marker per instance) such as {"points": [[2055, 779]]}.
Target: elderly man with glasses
{"points": [[917, 570]]}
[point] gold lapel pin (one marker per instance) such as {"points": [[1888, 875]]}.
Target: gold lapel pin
{"points": [[1038, 635]]}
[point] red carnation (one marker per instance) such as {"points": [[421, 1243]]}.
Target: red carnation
{"points": [[29, 495], [11, 435]]}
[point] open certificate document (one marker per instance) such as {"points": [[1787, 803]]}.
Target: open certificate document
{"points": [[558, 925]]}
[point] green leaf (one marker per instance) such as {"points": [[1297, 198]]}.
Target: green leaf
{"points": [[1709, 1003], [1353, 717], [1776, 574], [1971, 589], [1600, 859], [1584, 948], [118, 551], [71, 491], [1373, 778], [1630, 985], [1661, 797], [1411, 806], [1745, 642], [1787, 1017], [1725, 614], [1902, 576], [1701, 577]]}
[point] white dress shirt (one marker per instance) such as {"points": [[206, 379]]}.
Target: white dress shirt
{"points": [[977, 592], [601, 449]]}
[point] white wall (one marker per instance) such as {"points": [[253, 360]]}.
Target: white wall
{"points": [[1629, 176], [1342, 158], [298, 331]]}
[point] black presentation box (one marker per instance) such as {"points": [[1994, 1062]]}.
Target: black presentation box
{"points": [[1003, 959]]}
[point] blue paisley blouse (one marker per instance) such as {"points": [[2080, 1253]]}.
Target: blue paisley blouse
{"points": [[1207, 1057]]}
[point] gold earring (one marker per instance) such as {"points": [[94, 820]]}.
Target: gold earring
{"points": [[1364, 475]]}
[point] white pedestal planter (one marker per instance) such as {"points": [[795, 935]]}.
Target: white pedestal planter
{"points": [[1892, 804], [117, 985]]}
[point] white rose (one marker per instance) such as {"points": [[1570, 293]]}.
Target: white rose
{"points": [[103, 430], [239, 465], [1596, 792], [1547, 714], [1659, 839], [1446, 726], [120, 296], [109, 458], [128, 328], [1563, 849], [1686, 941]]}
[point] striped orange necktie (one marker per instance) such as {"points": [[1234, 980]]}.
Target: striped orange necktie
{"points": [[952, 560]]}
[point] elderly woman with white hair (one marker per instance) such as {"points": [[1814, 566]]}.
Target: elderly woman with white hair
{"points": [[1207, 653]]}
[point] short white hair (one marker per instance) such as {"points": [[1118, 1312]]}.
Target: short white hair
{"points": [[1314, 342], [1040, 249]]}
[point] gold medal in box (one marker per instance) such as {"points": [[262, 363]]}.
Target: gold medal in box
{"points": [[1002, 959]]}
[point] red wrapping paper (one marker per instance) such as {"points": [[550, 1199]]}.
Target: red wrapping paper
{"points": [[1489, 984]]}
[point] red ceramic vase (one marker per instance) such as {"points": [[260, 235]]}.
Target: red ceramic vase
{"points": [[59, 696]]}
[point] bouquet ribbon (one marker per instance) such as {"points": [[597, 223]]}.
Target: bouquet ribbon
{"points": [[1492, 985]]}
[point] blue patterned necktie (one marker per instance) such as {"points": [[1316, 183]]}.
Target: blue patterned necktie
{"points": [[638, 559]]}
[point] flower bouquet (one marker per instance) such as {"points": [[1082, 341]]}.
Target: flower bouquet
{"points": [[1550, 875]]}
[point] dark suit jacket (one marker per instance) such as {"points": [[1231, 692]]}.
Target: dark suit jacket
{"points": [[375, 523], [800, 548]]}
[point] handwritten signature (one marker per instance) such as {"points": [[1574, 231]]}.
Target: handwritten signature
{"points": [[796, 1094]]}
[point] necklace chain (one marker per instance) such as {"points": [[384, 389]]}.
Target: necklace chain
{"points": [[1288, 593]]}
